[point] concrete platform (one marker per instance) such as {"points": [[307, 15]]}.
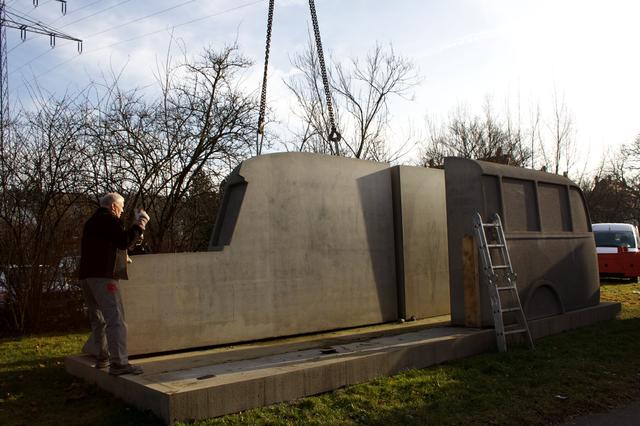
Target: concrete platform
{"points": [[214, 382]]}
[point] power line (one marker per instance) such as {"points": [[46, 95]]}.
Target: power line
{"points": [[30, 11], [25, 25], [79, 20], [108, 29], [15, 20], [142, 18], [202, 18], [20, 22], [36, 4], [96, 13], [142, 36], [36, 23], [77, 10]]}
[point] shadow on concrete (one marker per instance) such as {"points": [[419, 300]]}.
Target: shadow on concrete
{"points": [[377, 208], [555, 290], [229, 211]]}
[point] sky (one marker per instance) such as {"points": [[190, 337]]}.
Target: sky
{"points": [[516, 53]]}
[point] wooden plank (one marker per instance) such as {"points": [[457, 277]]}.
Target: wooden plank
{"points": [[471, 282]]}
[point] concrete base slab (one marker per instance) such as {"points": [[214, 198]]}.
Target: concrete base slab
{"points": [[214, 382]]}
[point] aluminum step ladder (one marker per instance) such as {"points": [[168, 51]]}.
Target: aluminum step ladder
{"points": [[505, 301]]}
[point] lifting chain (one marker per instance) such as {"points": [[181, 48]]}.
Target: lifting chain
{"points": [[334, 135], [263, 95]]}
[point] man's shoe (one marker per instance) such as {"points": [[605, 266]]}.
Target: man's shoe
{"points": [[102, 363], [119, 370]]}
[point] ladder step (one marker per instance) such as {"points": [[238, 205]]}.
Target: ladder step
{"points": [[500, 266], [516, 331], [495, 245], [508, 287], [510, 310], [490, 225]]}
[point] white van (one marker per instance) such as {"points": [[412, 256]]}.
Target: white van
{"points": [[610, 236]]}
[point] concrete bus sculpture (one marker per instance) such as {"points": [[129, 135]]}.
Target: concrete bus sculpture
{"points": [[307, 243]]}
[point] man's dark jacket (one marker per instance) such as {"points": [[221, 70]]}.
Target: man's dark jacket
{"points": [[102, 236]]}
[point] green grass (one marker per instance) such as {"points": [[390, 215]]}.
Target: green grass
{"points": [[569, 374], [35, 388]]}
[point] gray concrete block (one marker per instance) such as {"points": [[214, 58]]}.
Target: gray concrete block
{"points": [[474, 343], [558, 325], [135, 390], [541, 329], [303, 243], [401, 358], [422, 262], [284, 385], [311, 249], [365, 368], [324, 376], [218, 399], [260, 377]]}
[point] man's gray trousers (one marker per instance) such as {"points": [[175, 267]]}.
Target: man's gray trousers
{"points": [[108, 330]]}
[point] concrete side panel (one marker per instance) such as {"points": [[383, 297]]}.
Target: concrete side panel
{"points": [[464, 195], [421, 232], [312, 249], [553, 257]]}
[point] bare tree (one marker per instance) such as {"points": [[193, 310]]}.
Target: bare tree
{"points": [[476, 137], [560, 150], [166, 154], [613, 194], [534, 133], [41, 207], [202, 123], [631, 154], [362, 91]]}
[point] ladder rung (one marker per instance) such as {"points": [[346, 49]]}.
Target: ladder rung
{"points": [[495, 245], [500, 266], [510, 310], [516, 331], [508, 287], [490, 225]]}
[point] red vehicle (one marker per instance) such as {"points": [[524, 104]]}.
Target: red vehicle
{"points": [[618, 252]]}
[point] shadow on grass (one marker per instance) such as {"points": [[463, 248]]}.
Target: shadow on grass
{"points": [[618, 280], [41, 392], [585, 370], [13, 337], [589, 369]]}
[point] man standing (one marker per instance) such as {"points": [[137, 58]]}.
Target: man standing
{"points": [[103, 235]]}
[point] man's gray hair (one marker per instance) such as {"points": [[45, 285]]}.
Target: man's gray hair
{"points": [[110, 198]]}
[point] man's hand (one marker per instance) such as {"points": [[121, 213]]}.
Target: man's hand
{"points": [[142, 218]]}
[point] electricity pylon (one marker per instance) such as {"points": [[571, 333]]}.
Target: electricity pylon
{"points": [[12, 19]]}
